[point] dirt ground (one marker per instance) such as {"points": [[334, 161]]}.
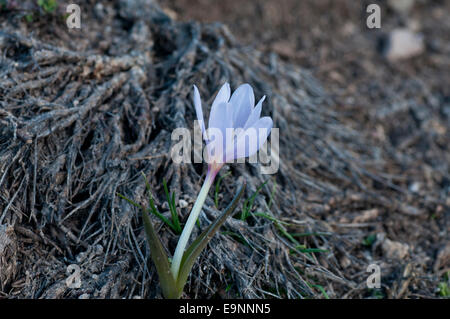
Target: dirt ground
{"points": [[401, 105], [364, 158]]}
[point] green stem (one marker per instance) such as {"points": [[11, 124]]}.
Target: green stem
{"points": [[187, 230]]}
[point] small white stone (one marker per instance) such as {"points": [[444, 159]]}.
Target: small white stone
{"points": [[404, 44], [81, 257], [414, 187], [182, 203], [394, 249], [98, 249]]}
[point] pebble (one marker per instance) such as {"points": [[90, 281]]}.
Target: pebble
{"points": [[443, 258], [401, 6], [414, 187], [394, 249], [182, 203], [367, 215], [403, 44]]}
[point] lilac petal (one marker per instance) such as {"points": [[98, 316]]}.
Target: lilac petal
{"points": [[215, 146], [199, 111], [221, 118], [255, 114], [250, 141], [223, 96], [243, 101]]}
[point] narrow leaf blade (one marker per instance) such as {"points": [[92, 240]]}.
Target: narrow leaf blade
{"points": [[153, 207], [160, 259], [200, 243]]}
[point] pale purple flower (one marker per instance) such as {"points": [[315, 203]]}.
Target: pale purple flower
{"points": [[235, 128]]}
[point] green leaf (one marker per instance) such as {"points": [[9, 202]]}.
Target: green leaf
{"points": [[272, 194], [271, 218], [444, 289], [129, 201], [311, 234], [248, 204], [175, 214], [48, 5], [322, 290], [153, 207], [29, 17], [303, 249], [172, 208], [200, 243], [369, 240], [152, 210], [160, 259]]}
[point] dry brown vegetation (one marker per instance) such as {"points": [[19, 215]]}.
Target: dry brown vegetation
{"points": [[364, 158]]}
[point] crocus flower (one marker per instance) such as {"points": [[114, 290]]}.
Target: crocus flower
{"points": [[235, 130]]}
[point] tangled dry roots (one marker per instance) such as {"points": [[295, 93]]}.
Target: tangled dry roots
{"points": [[79, 125]]}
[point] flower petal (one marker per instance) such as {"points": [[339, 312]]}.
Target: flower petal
{"points": [[223, 96], [221, 118], [199, 111], [243, 101], [255, 114], [250, 140]]}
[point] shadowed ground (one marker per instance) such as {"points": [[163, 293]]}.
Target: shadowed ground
{"points": [[364, 159]]}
